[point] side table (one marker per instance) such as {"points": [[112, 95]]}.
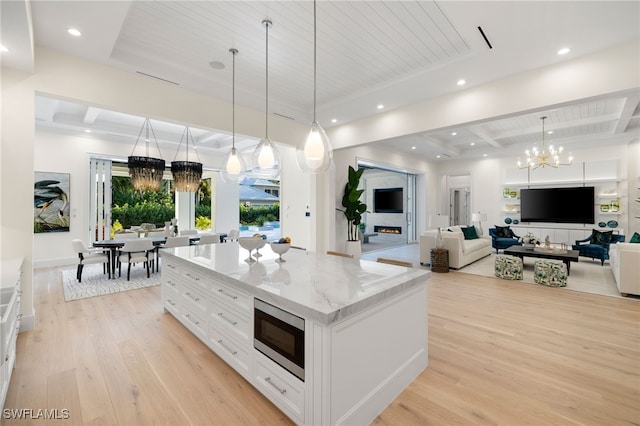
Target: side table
{"points": [[439, 260]]}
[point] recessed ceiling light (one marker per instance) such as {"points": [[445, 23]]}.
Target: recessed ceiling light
{"points": [[74, 32], [216, 65], [550, 132], [484, 155], [462, 82], [334, 120], [472, 143], [413, 147], [380, 106], [3, 48], [437, 156], [564, 51], [87, 130], [453, 133]]}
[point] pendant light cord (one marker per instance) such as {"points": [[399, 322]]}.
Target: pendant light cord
{"points": [[314, 61], [233, 99], [267, 24]]}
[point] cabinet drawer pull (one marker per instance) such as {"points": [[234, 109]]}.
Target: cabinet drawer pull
{"points": [[171, 266], [191, 276], [19, 316], [171, 302], [268, 380], [232, 352], [227, 294], [189, 317], [172, 284], [196, 299], [221, 315]]}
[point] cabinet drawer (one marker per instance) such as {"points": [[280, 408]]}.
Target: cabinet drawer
{"points": [[170, 266], [236, 298], [196, 279], [196, 300], [194, 322], [234, 353], [281, 387], [228, 319]]}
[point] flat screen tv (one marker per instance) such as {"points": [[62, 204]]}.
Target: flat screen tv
{"points": [[388, 200], [558, 205]]}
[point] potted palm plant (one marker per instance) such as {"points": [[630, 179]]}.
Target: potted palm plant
{"points": [[353, 209]]}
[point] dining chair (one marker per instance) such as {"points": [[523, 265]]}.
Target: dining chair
{"points": [[233, 235], [189, 232], [136, 251], [125, 235], [90, 256], [395, 262], [155, 234], [337, 253], [209, 239], [181, 241]]}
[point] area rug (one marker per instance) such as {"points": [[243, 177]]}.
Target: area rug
{"points": [[95, 283], [586, 275]]}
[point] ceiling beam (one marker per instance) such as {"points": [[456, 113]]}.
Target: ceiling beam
{"points": [[630, 106], [485, 137], [443, 148]]}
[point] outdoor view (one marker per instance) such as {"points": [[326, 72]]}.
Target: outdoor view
{"points": [[132, 208]]}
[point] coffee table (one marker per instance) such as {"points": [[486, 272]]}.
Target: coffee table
{"points": [[565, 256]]}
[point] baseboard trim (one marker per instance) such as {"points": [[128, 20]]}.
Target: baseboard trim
{"points": [[28, 322], [52, 263]]}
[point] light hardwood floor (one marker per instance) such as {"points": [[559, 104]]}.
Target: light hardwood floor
{"points": [[499, 353]]}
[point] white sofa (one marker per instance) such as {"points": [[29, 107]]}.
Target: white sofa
{"points": [[624, 259], [461, 252]]}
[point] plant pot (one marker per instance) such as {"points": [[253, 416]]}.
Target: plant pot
{"points": [[354, 248]]}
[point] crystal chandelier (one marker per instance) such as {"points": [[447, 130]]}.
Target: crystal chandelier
{"points": [[316, 153], [544, 158], [146, 172], [233, 165], [265, 161], [186, 174]]}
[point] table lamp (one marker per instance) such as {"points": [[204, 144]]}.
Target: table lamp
{"points": [[479, 217]]}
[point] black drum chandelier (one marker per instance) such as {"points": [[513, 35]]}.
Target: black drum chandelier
{"points": [[146, 172], [186, 174]]}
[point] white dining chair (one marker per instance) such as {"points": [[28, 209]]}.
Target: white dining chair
{"points": [[209, 239], [233, 235], [90, 256], [181, 241], [125, 235], [136, 251], [156, 234], [189, 232]]}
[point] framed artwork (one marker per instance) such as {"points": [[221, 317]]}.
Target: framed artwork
{"points": [[51, 204]]}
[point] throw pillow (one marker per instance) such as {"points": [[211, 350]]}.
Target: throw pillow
{"points": [[470, 233], [503, 232], [601, 238], [635, 238]]}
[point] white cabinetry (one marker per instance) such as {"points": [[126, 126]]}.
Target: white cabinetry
{"points": [[9, 321]]}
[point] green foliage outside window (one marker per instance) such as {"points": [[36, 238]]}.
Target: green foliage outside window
{"points": [[257, 215]]}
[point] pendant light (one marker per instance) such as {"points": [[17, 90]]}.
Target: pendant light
{"points": [[265, 161], [146, 172], [233, 165], [315, 155], [186, 174], [551, 158]]}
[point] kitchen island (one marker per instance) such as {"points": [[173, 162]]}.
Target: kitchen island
{"points": [[364, 325]]}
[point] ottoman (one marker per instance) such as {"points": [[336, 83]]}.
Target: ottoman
{"points": [[508, 267], [547, 272]]}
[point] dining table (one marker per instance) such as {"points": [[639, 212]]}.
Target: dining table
{"points": [[114, 245]]}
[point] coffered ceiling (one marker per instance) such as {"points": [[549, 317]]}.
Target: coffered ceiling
{"points": [[394, 53]]}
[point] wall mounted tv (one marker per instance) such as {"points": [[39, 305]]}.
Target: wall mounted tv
{"points": [[388, 200], [558, 205]]}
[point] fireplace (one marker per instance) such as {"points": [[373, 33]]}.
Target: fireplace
{"points": [[397, 230]]}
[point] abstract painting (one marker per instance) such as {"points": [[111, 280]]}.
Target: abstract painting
{"points": [[51, 202]]}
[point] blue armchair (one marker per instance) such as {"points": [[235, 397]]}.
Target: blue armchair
{"points": [[503, 238], [596, 245]]}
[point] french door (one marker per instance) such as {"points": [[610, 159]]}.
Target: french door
{"points": [[100, 200]]}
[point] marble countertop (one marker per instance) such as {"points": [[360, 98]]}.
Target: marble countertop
{"points": [[320, 287]]}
